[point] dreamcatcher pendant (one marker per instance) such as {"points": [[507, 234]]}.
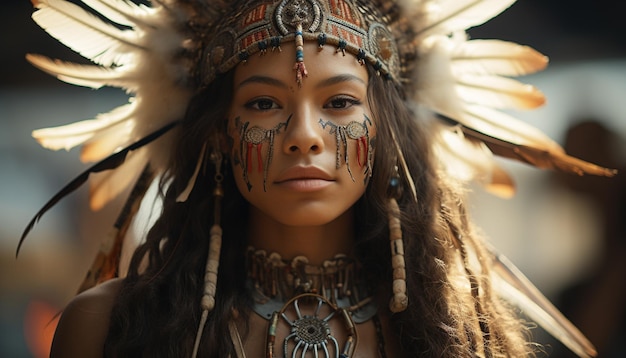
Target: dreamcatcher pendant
{"points": [[310, 334]]}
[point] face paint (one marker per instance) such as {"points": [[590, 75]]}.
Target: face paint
{"points": [[359, 132], [302, 183], [251, 141]]}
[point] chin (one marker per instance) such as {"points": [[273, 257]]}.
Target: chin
{"points": [[311, 218]]}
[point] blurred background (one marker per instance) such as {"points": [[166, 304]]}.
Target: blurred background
{"points": [[567, 234]]}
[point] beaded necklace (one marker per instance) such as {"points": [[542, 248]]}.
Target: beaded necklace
{"points": [[306, 298]]}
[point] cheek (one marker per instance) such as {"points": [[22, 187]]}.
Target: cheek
{"points": [[253, 150], [238, 176], [232, 128], [355, 147], [235, 145], [235, 140]]}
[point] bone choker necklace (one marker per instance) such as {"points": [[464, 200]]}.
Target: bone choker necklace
{"points": [[306, 298]]}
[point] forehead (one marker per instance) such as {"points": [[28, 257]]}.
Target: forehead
{"points": [[321, 64]]}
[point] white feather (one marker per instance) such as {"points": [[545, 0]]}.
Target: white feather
{"points": [[158, 102], [502, 184], [462, 96], [159, 98], [498, 92], [184, 195], [107, 142], [106, 186], [434, 81], [416, 10], [461, 158], [68, 136], [505, 127], [82, 75], [449, 16], [85, 33], [467, 160], [122, 12], [157, 106], [496, 57]]}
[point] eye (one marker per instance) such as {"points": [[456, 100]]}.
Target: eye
{"points": [[262, 104], [342, 102]]}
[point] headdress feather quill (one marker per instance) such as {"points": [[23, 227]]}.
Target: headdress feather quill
{"points": [[514, 286]]}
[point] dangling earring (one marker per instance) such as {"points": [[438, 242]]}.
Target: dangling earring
{"points": [[215, 245], [399, 300]]}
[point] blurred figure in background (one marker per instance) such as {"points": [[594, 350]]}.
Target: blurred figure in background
{"points": [[597, 303]]}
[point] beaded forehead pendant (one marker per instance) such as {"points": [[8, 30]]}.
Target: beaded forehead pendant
{"points": [[259, 26]]}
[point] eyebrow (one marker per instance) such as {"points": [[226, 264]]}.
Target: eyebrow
{"points": [[340, 79], [277, 83], [263, 80]]}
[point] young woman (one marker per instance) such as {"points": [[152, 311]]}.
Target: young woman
{"points": [[306, 210]]}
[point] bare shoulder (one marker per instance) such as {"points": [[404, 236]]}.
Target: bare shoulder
{"points": [[84, 323]]}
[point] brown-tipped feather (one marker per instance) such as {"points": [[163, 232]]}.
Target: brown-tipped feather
{"points": [[105, 265], [514, 286], [109, 163]]}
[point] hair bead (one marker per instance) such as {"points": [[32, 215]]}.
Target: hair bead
{"points": [[400, 300]]}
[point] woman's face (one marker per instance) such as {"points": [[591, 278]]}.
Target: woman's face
{"points": [[301, 155]]}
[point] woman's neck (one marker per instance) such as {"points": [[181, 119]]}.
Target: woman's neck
{"points": [[317, 243]]}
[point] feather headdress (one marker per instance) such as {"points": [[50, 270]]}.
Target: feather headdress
{"points": [[162, 54]]}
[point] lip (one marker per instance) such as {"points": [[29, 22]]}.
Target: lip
{"points": [[304, 178]]}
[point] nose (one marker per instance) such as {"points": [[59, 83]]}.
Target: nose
{"points": [[303, 134]]}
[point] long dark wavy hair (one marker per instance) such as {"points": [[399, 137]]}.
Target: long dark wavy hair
{"points": [[158, 308]]}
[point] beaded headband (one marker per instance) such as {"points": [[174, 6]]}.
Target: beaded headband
{"points": [[261, 26]]}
